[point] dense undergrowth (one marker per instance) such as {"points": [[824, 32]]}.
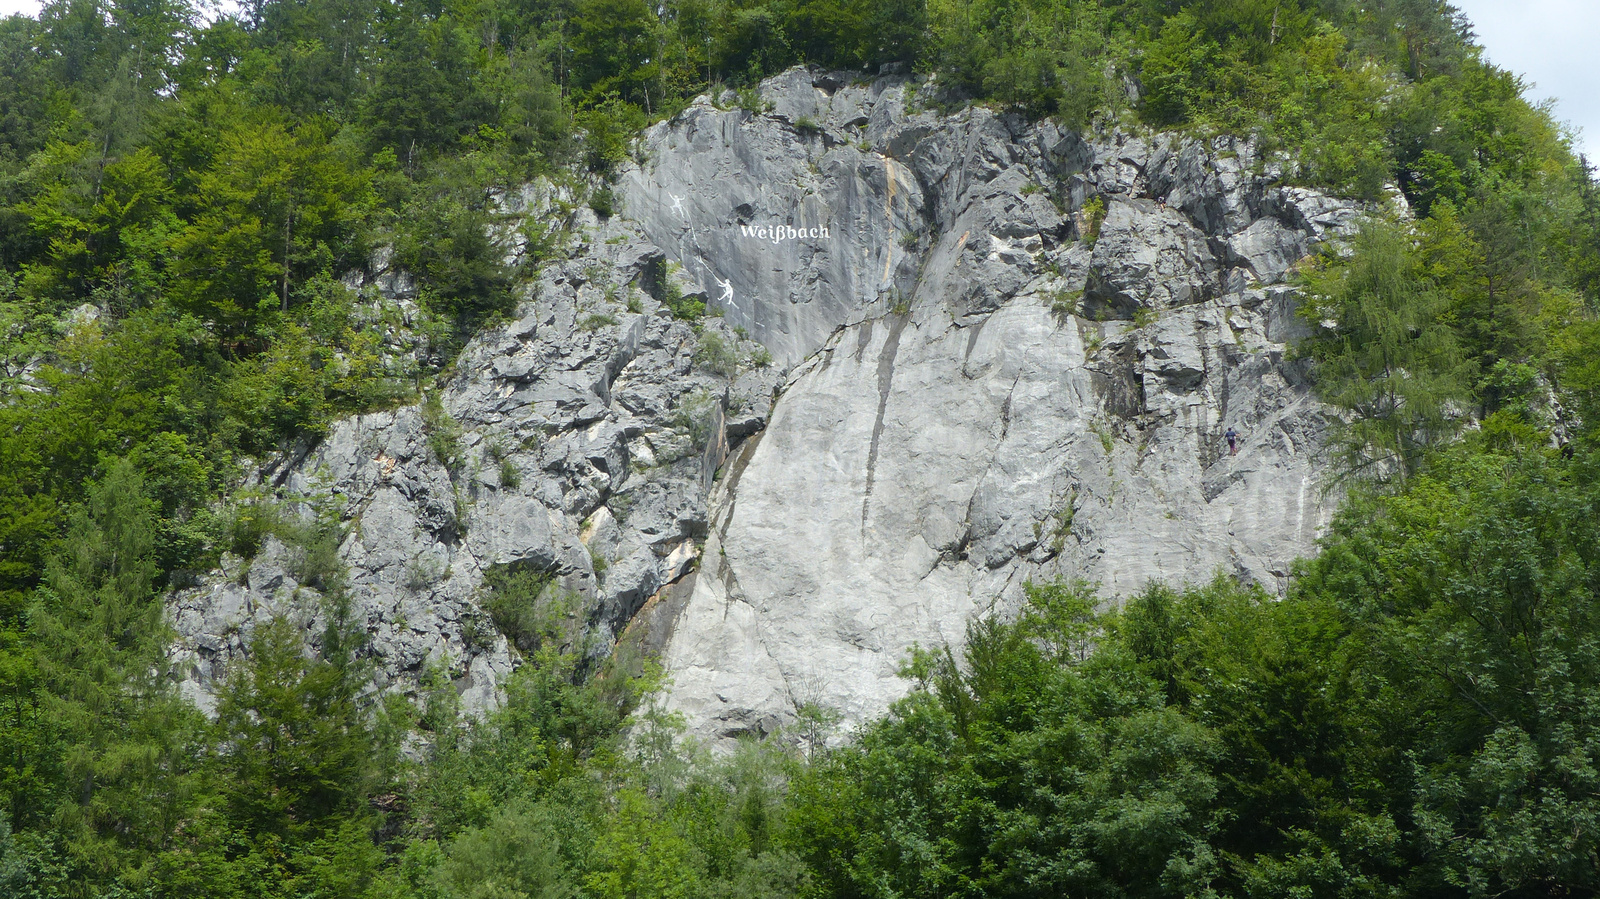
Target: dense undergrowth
{"points": [[182, 203]]}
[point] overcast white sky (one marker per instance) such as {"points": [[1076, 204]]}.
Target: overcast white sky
{"points": [[1551, 43]]}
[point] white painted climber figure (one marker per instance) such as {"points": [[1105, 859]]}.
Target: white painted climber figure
{"points": [[1233, 441], [677, 206], [727, 290]]}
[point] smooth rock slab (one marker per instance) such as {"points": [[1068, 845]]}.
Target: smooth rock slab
{"points": [[916, 473]]}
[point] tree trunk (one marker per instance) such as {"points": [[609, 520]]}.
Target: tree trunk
{"points": [[288, 230]]}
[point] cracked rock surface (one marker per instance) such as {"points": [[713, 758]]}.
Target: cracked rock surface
{"points": [[588, 436], [994, 384], [1002, 352]]}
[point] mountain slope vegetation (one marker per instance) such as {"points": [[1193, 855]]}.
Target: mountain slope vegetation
{"points": [[193, 208]]}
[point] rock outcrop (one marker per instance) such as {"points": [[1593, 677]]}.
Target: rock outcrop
{"points": [[1021, 349], [1003, 351], [577, 442]]}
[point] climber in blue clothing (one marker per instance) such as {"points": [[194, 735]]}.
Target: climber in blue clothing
{"points": [[1233, 442]]}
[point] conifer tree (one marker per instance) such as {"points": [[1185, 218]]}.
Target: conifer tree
{"points": [[118, 734], [1383, 353]]}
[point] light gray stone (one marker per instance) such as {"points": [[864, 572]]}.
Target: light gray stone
{"points": [[550, 409], [959, 394]]}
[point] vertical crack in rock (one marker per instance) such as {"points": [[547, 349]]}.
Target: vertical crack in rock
{"points": [[968, 488], [1005, 408], [891, 348], [580, 425]]}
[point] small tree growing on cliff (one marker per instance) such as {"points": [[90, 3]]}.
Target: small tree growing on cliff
{"points": [[1383, 353]]}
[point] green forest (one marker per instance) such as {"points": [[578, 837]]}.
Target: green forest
{"points": [[182, 197]]}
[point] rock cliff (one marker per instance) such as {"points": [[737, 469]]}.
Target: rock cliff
{"points": [[1000, 351], [578, 442]]}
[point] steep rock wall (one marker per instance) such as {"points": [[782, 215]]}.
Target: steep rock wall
{"points": [[579, 457], [998, 397], [979, 381]]}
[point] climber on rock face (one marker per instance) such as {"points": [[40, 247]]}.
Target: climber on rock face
{"points": [[1233, 442]]}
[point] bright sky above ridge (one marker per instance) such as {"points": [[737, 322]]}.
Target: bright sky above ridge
{"points": [[1551, 44], [1548, 42]]}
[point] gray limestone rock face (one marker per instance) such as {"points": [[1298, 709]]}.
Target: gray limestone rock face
{"points": [[1150, 256], [938, 374], [579, 455], [788, 221], [1012, 402], [919, 471]]}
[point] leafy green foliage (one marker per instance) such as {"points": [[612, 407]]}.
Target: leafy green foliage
{"points": [[1046, 58], [296, 749], [277, 205], [1094, 215], [524, 606], [444, 432], [1033, 763], [113, 772], [187, 206], [1408, 721], [694, 415], [298, 760], [1473, 592], [1384, 352], [445, 236], [717, 354], [523, 850], [666, 289]]}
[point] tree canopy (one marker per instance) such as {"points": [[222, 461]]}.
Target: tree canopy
{"points": [[187, 200]]}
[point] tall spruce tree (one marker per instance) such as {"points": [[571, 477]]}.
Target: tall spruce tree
{"points": [[118, 737], [1384, 354]]}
